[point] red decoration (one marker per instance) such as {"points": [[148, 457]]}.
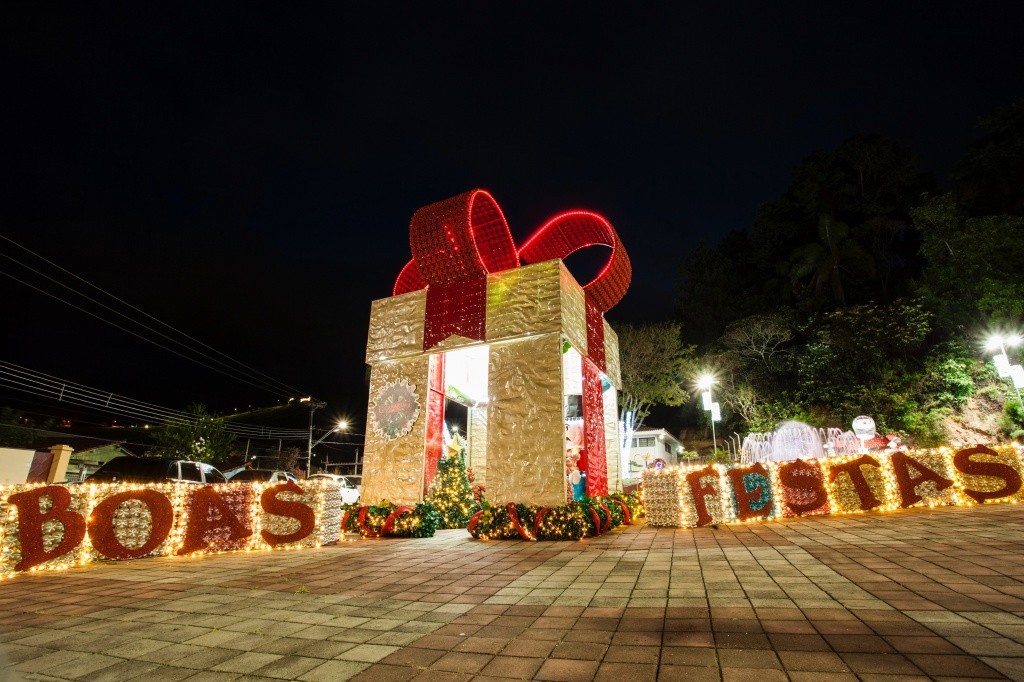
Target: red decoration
{"points": [[1011, 479], [594, 459], [541, 513], [457, 242], [745, 500], [627, 519], [607, 516], [389, 522], [700, 491], [860, 484], [574, 230], [435, 418], [907, 482], [214, 521], [101, 524], [344, 518], [513, 515], [272, 504], [31, 520], [367, 531], [595, 518], [803, 488], [473, 520]]}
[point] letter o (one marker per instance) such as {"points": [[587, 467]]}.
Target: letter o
{"points": [[101, 524]]}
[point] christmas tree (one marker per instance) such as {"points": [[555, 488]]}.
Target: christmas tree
{"points": [[450, 492]]}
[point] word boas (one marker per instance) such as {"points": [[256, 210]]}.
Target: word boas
{"points": [[57, 526]]}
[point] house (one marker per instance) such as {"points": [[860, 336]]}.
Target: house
{"points": [[88, 453], [652, 448]]}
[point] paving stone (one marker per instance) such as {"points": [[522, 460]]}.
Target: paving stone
{"points": [[334, 670]]}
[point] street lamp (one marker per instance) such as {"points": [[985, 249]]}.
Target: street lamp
{"points": [[1002, 361], [704, 384]]}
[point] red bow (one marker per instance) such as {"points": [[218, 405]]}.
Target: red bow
{"points": [[457, 242]]}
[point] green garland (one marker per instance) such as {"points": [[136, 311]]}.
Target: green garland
{"points": [[386, 519], [590, 516], [632, 502]]}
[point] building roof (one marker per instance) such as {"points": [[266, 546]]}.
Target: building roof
{"points": [[80, 444]]}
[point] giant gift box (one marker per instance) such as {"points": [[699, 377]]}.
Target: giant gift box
{"points": [[468, 287]]}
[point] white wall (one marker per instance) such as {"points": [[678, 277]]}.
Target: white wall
{"points": [[15, 465]]}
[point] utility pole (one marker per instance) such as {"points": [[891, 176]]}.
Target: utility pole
{"points": [[314, 405]]}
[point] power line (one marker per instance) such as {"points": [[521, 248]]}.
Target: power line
{"points": [[140, 336], [44, 385], [268, 383]]}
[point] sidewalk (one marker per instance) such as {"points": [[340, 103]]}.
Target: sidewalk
{"points": [[921, 594]]}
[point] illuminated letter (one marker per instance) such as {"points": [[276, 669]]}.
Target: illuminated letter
{"points": [[203, 501], [799, 476], [31, 520], [901, 465], [860, 484], [297, 510], [101, 524], [699, 491], [753, 490], [1011, 479]]}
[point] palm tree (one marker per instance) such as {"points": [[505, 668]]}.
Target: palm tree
{"points": [[830, 259]]}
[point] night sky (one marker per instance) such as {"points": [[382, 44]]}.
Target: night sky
{"points": [[248, 175]]}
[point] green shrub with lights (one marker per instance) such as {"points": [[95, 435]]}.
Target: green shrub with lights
{"points": [[632, 502], [386, 519], [590, 516]]}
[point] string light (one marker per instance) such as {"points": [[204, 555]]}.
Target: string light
{"points": [[690, 496], [588, 517], [132, 526]]}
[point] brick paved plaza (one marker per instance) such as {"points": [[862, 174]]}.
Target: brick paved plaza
{"points": [[921, 594]]}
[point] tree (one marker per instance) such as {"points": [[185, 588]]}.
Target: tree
{"points": [[12, 433], [200, 437], [830, 260], [653, 361], [450, 491], [991, 173], [865, 360], [972, 276], [760, 339]]}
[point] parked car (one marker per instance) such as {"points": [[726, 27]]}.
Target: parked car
{"points": [[155, 470], [262, 475], [350, 485]]}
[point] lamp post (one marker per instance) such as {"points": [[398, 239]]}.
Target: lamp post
{"points": [[339, 427], [704, 384], [1002, 361]]}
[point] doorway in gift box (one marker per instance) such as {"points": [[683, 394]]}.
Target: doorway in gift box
{"points": [[457, 407]]}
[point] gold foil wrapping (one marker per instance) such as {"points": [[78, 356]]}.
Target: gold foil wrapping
{"points": [[396, 327], [611, 356], [524, 301], [574, 311], [476, 448], [611, 440], [516, 439], [393, 469], [525, 439]]}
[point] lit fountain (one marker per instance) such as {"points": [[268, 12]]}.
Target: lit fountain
{"points": [[793, 439]]}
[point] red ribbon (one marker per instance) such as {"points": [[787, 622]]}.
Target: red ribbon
{"points": [[457, 242], [389, 523], [513, 515]]}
